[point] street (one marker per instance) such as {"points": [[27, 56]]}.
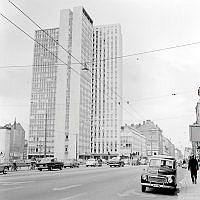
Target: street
{"points": [[81, 184]]}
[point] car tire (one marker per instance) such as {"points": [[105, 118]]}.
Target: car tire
{"points": [[143, 188], [4, 171]]}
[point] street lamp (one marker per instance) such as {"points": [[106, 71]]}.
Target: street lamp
{"points": [[45, 135], [76, 147]]}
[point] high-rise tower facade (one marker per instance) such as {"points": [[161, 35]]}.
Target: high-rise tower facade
{"points": [[61, 90], [106, 117]]}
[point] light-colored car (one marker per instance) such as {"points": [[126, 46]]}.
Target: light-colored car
{"points": [[185, 165], [71, 163], [91, 162]]}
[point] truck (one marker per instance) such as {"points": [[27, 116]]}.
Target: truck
{"points": [[49, 163]]}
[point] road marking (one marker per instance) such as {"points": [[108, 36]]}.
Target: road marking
{"points": [[74, 196], [13, 188], [65, 188], [16, 183]]}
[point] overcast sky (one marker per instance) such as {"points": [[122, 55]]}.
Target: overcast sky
{"points": [[149, 80]]}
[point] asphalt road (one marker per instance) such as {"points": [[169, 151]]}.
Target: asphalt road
{"points": [[102, 183]]}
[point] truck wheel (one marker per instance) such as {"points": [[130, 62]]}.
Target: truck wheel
{"points": [[4, 171], [143, 188], [40, 169]]}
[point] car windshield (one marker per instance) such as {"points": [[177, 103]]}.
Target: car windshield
{"points": [[161, 163]]}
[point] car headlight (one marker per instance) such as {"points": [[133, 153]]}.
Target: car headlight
{"points": [[144, 177], [170, 179]]}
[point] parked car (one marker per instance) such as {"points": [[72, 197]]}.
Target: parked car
{"points": [[185, 165], [135, 161], [126, 161], [161, 173], [91, 162], [104, 161], [71, 163], [116, 162], [49, 163], [143, 161], [3, 168], [100, 162]]}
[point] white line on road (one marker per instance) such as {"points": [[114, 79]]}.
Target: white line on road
{"points": [[15, 183], [65, 188], [13, 188], [74, 196]]}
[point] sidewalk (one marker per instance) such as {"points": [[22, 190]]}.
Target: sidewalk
{"points": [[188, 189]]}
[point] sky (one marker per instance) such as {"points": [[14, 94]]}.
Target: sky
{"points": [[149, 79]]}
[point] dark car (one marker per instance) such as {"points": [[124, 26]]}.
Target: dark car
{"points": [[161, 173], [71, 163], [49, 163], [116, 162], [100, 162]]}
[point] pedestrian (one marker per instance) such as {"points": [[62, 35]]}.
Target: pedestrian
{"points": [[14, 165], [193, 167], [32, 163]]}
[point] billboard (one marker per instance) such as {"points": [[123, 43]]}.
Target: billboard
{"points": [[194, 133]]}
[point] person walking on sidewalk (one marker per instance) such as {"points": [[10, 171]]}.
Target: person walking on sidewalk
{"points": [[193, 167]]}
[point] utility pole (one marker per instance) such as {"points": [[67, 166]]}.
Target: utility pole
{"points": [[45, 136], [76, 147], [151, 145]]}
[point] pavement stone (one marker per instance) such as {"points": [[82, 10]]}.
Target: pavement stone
{"points": [[188, 189]]}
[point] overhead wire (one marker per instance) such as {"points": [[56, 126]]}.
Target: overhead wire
{"points": [[83, 64], [47, 49]]}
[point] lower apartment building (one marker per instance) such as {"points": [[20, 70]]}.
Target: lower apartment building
{"points": [[154, 137], [132, 142]]}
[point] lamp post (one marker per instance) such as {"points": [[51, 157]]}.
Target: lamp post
{"points": [[76, 147], [45, 136], [151, 145]]}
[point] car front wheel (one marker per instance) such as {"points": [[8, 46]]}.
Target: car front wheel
{"points": [[143, 188]]}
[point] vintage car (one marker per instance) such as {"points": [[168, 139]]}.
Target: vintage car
{"points": [[91, 162], [71, 163], [135, 161], [49, 163], [116, 162], [161, 173]]}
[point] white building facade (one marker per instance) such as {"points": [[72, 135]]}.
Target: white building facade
{"points": [[61, 97], [5, 137], [132, 142], [106, 117]]}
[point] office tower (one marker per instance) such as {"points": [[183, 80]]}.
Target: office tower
{"points": [[106, 117], [61, 89]]}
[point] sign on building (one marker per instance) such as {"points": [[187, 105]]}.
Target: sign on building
{"points": [[194, 133]]}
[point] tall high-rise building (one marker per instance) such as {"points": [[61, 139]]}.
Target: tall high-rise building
{"points": [[61, 97], [106, 116]]}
